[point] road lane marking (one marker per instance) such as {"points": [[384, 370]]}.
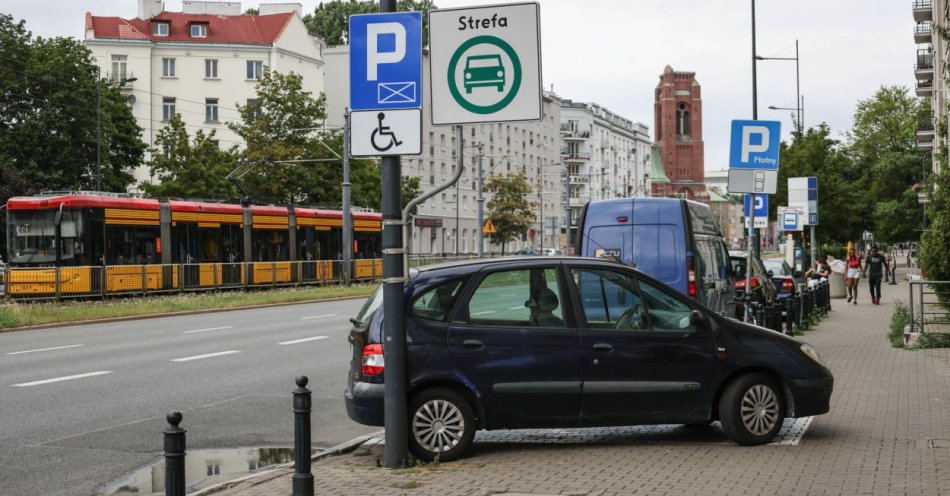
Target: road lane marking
{"points": [[208, 355], [209, 329], [44, 349], [485, 312], [60, 379], [318, 316], [304, 340], [516, 308]]}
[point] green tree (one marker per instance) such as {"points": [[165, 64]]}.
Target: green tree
{"points": [[330, 20], [509, 210], [190, 168], [934, 255], [884, 123], [48, 117], [844, 210]]}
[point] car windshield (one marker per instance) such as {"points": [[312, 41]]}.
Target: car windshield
{"points": [[486, 61], [776, 265]]}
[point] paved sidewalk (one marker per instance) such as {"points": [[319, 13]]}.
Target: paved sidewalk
{"points": [[888, 433]]}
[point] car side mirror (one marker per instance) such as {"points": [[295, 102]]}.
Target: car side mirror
{"points": [[771, 274], [696, 317]]}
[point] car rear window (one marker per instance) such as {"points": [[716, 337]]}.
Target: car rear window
{"points": [[436, 302], [374, 302]]}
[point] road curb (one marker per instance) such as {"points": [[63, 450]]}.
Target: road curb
{"points": [[172, 314], [280, 470]]}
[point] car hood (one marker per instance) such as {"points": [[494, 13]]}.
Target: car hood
{"points": [[754, 339]]}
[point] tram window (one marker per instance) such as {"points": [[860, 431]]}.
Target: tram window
{"points": [[367, 245], [270, 246], [185, 243], [131, 245], [231, 243], [210, 241]]}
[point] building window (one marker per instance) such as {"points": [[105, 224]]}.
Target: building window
{"points": [[252, 105], [168, 108], [211, 68], [168, 67], [160, 28], [211, 110], [199, 30], [119, 68], [682, 121], [255, 69]]}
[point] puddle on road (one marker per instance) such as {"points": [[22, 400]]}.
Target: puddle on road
{"points": [[201, 465]]}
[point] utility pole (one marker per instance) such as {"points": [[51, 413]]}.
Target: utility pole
{"points": [[753, 232], [396, 416], [347, 215], [481, 203], [461, 163]]}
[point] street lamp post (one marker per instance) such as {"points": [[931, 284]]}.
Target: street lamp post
{"points": [[120, 82], [799, 110]]}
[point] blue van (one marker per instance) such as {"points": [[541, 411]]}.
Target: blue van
{"points": [[674, 240]]}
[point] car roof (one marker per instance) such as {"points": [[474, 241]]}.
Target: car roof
{"points": [[469, 266]]}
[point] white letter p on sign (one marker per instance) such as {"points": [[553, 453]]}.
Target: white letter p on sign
{"points": [[748, 147], [373, 56]]}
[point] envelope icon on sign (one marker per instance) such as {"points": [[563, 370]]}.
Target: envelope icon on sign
{"points": [[404, 92]]}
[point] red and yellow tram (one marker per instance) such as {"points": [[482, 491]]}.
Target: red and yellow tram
{"points": [[77, 244]]}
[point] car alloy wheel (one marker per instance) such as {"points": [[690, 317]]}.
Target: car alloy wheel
{"points": [[752, 409], [442, 425]]}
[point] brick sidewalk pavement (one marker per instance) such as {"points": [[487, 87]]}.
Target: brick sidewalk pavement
{"points": [[888, 433]]}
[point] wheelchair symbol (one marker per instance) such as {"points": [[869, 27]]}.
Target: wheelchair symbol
{"points": [[385, 132]]}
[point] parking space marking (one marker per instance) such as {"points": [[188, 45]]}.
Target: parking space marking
{"points": [[44, 349], [209, 329], [60, 379], [318, 316], [304, 340], [208, 355]]}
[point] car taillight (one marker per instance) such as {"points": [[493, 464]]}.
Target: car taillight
{"points": [[373, 363], [740, 284], [690, 277], [787, 285], [754, 283]]}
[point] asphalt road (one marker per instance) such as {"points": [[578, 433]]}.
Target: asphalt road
{"points": [[82, 405]]}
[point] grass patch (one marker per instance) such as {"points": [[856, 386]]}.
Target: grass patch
{"points": [[16, 314], [899, 319]]}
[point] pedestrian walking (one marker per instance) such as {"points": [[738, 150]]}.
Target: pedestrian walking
{"points": [[874, 267], [853, 263]]}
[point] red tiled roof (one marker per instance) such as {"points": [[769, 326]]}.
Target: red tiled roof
{"points": [[242, 29]]}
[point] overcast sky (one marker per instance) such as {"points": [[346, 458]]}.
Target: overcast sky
{"points": [[613, 51]]}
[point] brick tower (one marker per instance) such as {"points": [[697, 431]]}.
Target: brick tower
{"points": [[678, 108]]}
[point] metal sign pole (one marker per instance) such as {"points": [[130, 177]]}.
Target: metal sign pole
{"points": [[347, 216], [748, 264]]}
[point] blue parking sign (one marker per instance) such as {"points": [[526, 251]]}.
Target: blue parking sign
{"points": [[755, 144], [761, 205], [386, 61]]}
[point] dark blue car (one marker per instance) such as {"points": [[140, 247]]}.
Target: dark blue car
{"points": [[529, 342]]}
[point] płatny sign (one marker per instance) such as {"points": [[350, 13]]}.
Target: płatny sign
{"points": [[754, 156], [485, 64]]}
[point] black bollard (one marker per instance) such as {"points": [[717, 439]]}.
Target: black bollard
{"points": [[174, 455], [777, 316], [767, 316], [798, 311], [790, 315], [303, 478]]}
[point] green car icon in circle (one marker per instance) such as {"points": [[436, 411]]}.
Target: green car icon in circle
{"points": [[484, 70]]}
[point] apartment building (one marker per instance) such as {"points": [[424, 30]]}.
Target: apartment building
{"points": [[202, 62], [933, 52], [605, 156], [448, 223]]}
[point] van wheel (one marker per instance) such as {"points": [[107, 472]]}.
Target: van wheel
{"points": [[752, 410], [441, 425]]}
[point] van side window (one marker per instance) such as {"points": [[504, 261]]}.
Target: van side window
{"points": [[517, 298], [436, 302], [610, 300]]}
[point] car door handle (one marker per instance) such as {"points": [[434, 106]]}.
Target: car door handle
{"points": [[473, 343], [603, 347]]}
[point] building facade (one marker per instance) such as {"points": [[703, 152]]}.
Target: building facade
{"points": [[933, 52], [678, 117], [200, 63], [447, 224], [605, 156]]}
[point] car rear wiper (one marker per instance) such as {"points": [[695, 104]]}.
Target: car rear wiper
{"points": [[355, 322]]}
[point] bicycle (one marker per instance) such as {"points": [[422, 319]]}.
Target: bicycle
{"points": [[750, 304]]}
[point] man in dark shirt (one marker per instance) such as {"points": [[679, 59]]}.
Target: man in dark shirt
{"points": [[874, 266]]}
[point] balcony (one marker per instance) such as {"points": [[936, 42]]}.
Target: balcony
{"points": [[575, 135], [923, 33], [576, 202], [925, 146], [925, 128], [925, 88], [923, 10], [584, 157], [924, 70], [580, 179]]}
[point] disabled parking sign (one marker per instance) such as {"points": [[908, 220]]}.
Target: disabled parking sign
{"points": [[485, 64]]}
